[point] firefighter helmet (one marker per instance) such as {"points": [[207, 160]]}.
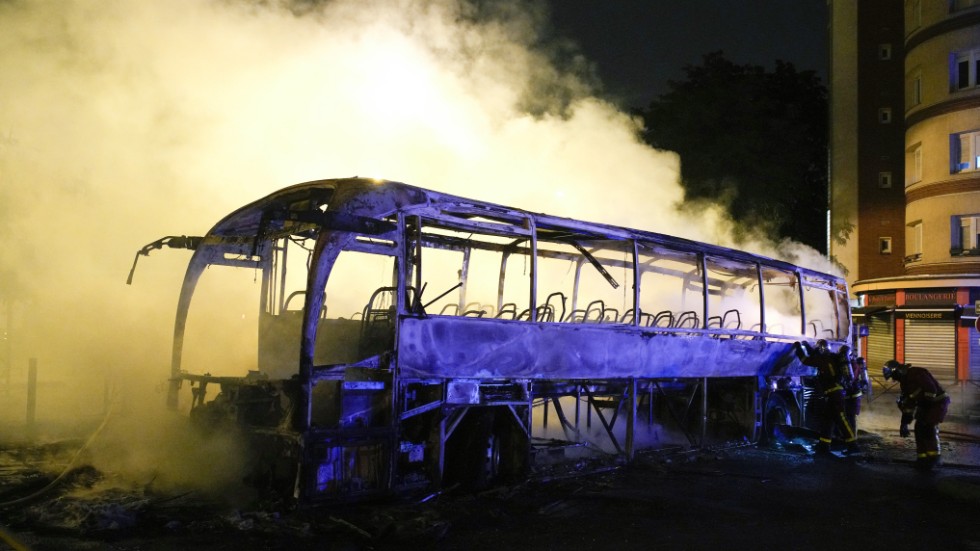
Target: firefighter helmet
{"points": [[821, 346], [894, 369]]}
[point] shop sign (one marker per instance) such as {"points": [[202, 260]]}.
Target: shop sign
{"points": [[930, 297], [944, 314], [882, 299]]}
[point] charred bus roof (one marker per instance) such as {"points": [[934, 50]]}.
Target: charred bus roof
{"points": [[363, 204]]}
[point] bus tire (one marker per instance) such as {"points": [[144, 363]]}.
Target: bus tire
{"points": [[487, 449]]}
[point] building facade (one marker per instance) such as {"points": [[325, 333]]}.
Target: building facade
{"points": [[905, 178]]}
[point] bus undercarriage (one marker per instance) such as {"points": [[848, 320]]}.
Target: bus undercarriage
{"points": [[475, 433]]}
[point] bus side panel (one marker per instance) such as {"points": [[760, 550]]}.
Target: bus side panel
{"points": [[488, 348]]}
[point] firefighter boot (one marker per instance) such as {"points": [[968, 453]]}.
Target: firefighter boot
{"points": [[925, 463]]}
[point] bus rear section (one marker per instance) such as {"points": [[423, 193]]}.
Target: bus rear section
{"points": [[396, 339]]}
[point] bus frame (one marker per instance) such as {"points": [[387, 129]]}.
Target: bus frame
{"points": [[400, 397]]}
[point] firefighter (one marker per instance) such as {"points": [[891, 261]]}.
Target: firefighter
{"points": [[830, 387], [855, 380], [925, 401]]}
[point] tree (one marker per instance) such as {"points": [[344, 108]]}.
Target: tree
{"points": [[751, 139]]}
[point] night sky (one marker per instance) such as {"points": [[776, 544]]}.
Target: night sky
{"points": [[638, 45]]}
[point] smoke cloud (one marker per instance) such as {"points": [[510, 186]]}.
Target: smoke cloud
{"points": [[122, 122]]}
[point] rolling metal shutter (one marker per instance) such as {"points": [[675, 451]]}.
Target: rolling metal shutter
{"points": [[932, 344], [974, 354], [881, 343]]}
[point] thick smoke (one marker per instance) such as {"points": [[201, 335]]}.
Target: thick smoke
{"points": [[122, 122]]}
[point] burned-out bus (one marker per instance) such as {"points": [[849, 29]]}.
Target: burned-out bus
{"points": [[406, 339]]}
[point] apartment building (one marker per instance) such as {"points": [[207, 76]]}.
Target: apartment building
{"points": [[905, 177]]}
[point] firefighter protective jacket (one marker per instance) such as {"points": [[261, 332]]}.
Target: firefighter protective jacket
{"points": [[919, 390], [830, 376]]}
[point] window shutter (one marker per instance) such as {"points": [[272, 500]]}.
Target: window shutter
{"points": [[955, 236], [965, 152], [974, 155]]}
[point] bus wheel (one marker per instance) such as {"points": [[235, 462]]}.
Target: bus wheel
{"points": [[489, 463], [486, 450], [482, 456]]}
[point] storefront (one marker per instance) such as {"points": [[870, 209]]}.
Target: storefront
{"points": [[931, 343], [968, 325], [922, 327], [879, 317]]}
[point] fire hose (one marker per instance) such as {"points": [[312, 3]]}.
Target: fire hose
{"points": [[68, 468]]}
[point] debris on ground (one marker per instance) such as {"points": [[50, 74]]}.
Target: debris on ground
{"points": [[661, 497]]}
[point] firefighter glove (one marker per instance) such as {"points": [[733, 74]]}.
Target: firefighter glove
{"points": [[903, 430]]}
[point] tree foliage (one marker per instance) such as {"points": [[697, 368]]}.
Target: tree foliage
{"points": [[751, 139]]}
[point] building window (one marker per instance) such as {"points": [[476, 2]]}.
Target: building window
{"points": [[885, 245], [964, 69], [964, 152], [885, 115], [913, 92], [913, 242], [913, 164], [884, 52], [885, 180], [964, 235]]}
